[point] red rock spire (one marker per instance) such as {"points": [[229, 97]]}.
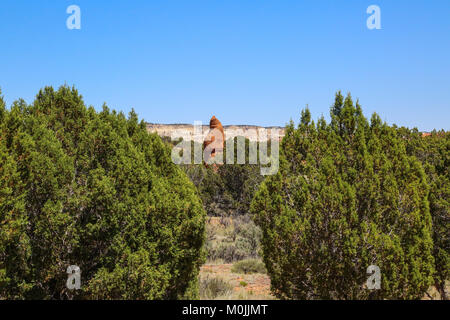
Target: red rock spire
{"points": [[216, 135]]}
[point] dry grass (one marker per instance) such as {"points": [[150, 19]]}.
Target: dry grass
{"points": [[257, 288]]}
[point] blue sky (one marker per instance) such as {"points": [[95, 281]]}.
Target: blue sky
{"points": [[247, 62]]}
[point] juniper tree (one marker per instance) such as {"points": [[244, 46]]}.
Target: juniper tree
{"points": [[346, 196], [93, 189], [434, 152]]}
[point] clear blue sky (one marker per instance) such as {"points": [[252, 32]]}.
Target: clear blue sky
{"points": [[247, 62]]}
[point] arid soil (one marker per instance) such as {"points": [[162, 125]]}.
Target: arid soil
{"points": [[245, 286]]}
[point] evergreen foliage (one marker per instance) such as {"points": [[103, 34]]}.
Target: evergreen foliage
{"points": [[434, 152], [93, 189], [228, 189], [347, 196]]}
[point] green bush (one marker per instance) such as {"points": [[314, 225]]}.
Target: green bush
{"points": [[226, 251], [213, 287], [247, 235], [347, 196], [249, 266], [240, 240], [93, 189]]}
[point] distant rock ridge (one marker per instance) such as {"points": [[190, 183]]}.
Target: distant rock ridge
{"points": [[248, 131]]}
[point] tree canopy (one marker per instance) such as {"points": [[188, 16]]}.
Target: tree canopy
{"points": [[433, 150], [347, 196], [93, 189]]}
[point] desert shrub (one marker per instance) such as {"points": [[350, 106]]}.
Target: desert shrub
{"points": [[347, 196], [240, 240], [93, 189], [226, 251], [211, 232], [247, 235], [249, 266], [214, 287]]}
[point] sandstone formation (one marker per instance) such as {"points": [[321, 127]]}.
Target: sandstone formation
{"points": [[248, 131], [215, 138]]}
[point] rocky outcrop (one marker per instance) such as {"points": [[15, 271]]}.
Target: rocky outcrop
{"points": [[215, 138], [249, 131]]}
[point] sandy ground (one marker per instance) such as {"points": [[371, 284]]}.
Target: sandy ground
{"points": [[257, 285]]}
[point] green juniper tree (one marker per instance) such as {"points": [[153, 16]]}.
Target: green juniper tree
{"points": [[78, 187], [347, 196], [434, 152]]}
